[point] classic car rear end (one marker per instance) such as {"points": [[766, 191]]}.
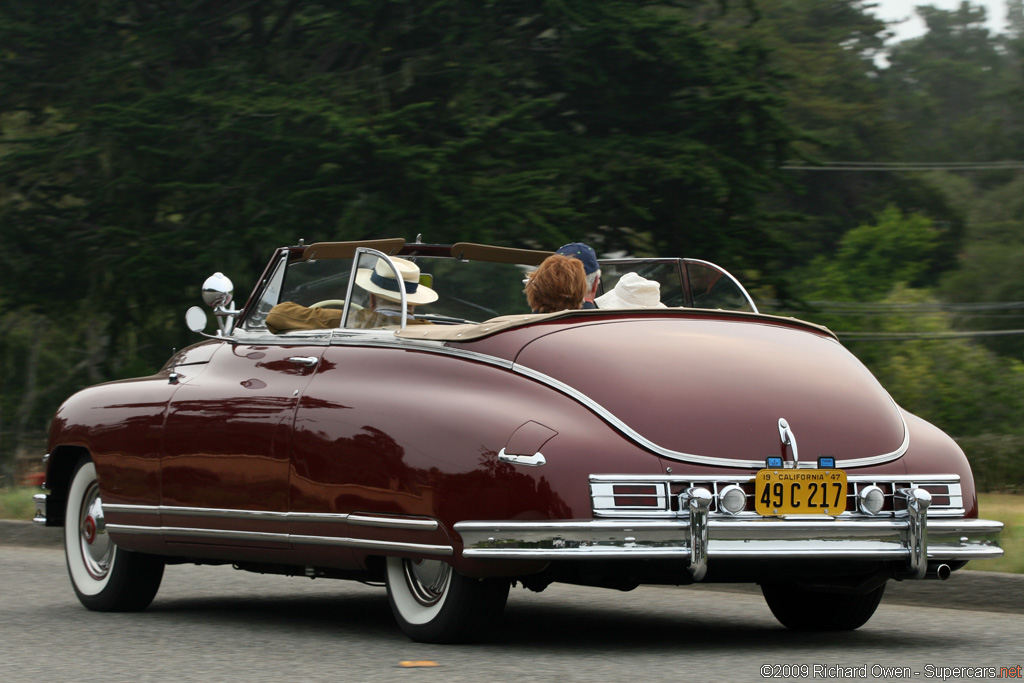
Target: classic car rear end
{"points": [[609, 448]]}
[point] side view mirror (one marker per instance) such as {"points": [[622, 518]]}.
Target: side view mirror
{"points": [[196, 319], [218, 292]]}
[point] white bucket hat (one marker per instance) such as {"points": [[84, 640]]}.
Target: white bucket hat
{"points": [[632, 291], [381, 282]]}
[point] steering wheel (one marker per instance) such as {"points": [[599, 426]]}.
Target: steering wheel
{"points": [[340, 303]]}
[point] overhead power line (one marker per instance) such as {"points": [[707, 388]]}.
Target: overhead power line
{"points": [[869, 307], [875, 309], [899, 166], [912, 336]]}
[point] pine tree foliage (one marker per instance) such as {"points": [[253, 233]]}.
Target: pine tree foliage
{"points": [[146, 143]]}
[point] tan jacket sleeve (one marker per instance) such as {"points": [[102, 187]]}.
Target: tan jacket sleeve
{"points": [[288, 316]]}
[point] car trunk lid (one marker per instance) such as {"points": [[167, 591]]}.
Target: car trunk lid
{"points": [[713, 388]]}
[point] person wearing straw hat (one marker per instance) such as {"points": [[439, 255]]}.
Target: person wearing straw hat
{"points": [[632, 291], [384, 307], [385, 297]]}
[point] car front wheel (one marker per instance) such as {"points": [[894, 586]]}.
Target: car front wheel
{"points": [[105, 578], [802, 609], [435, 604]]}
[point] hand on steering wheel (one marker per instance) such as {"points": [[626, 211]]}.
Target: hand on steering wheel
{"points": [[340, 303]]}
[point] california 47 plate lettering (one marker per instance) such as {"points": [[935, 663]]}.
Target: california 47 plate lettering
{"points": [[800, 492]]}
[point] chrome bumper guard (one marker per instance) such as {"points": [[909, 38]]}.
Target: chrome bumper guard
{"points": [[40, 517], [913, 538]]}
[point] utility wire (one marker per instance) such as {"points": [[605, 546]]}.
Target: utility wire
{"points": [[899, 166], [882, 307], [875, 309], [913, 336]]}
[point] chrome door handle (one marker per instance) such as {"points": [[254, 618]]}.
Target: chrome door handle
{"points": [[308, 361], [535, 460]]}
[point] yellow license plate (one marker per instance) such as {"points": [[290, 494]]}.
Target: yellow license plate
{"points": [[800, 492]]}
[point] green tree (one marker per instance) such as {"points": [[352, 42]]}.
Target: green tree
{"points": [[990, 273], [949, 88], [875, 257], [261, 121], [830, 53], [146, 143], [956, 383]]}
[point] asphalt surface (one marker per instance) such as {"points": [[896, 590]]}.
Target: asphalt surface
{"points": [[966, 589], [213, 624]]}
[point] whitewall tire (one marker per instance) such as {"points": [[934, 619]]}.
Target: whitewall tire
{"points": [[105, 578], [435, 604]]}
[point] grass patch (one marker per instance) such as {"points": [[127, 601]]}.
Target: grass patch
{"points": [[1007, 508], [16, 503]]}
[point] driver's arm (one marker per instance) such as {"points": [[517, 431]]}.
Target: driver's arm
{"points": [[288, 316]]}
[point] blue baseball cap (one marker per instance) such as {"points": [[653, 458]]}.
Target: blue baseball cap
{"points": [[583, 252]]}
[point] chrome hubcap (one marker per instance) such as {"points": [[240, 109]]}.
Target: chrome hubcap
{"points": [[97, 549], [427, 579]]}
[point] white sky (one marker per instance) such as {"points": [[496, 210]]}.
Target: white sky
{"points": [[891, 10]]}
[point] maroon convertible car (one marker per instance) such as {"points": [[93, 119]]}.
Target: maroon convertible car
{"points": [[469, 445]]}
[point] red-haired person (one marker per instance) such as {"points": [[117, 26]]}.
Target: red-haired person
{"points": [[558, 284]]}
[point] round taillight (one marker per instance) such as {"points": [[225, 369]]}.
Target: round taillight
{"points": [[732, 499], [870, 500]]}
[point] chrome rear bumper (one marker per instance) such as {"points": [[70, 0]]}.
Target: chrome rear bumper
{"points": [[915, 542]]}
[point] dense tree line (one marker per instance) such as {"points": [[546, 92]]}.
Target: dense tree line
{"points": [[146, 143]]}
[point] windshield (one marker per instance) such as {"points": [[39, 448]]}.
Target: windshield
{"points": [[475, 291], [684, 282]]}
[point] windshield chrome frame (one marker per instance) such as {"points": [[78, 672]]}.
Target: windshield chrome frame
{"points": [[352, 281]]}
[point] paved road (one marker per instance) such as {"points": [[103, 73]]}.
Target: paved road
{"points": [[973, 590], [216, 624]]}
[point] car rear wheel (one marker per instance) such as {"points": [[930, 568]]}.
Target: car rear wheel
{"points": [[435, 604], [105, 578], [802, 609]]}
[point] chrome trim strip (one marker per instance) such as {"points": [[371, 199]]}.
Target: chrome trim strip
{"points": [[175, 511], [215, 533], [767, 538], [641, 440], [356, 519], [341, 338], [349, 337], [750, 300], [294, 539], [916, 479], [602, 496], [294, 338], [133, 509], [602, 493], [317, 517], [134, 530], [390, 546]]}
